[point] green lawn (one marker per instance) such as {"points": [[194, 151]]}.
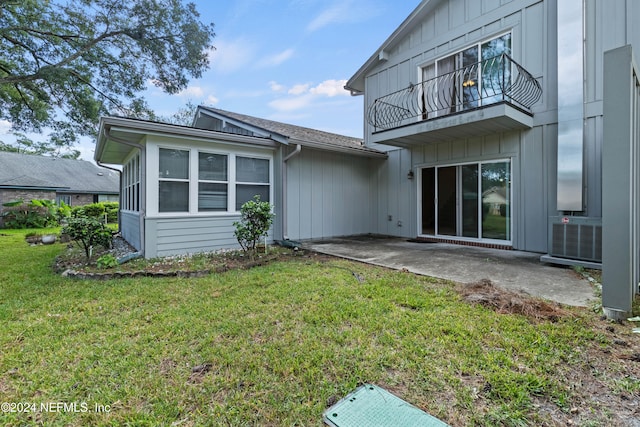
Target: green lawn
{"points": [[278, 343]]}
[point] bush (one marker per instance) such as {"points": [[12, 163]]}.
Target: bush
{"points": [[256, 218], [35, 214], [98, 211], [88, 233]]}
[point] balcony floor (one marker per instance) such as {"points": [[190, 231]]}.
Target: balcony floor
{"points": [[494, 118]]}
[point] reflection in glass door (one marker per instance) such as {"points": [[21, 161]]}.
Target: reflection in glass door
{"points": [[429, 201], [470, 201], [447, 201], [496, 203]]}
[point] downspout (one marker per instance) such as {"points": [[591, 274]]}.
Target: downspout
{"points": [[143, 168], [291, 155]]}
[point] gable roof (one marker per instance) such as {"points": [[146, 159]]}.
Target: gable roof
{"points": [[356, 83], [64, 175], [287, 133]]}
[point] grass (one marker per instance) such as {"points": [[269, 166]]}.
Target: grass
{"points": [[276, 344]]}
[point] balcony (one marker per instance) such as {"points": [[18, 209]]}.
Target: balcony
{"points": [[493, 95]]}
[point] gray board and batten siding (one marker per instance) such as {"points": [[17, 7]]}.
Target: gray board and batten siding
{"points": [[445, 28]]}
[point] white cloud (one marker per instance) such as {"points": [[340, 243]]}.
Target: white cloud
{"points": [[212, 100], [230, 56], [299, 89], [291, 104], [329, 16], [275, 86], [191, 92], [330, 88], [303, 95], [276, 59], [344, 11], [5, 126]]}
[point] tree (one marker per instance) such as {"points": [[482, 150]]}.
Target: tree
{"points": [[54, 148], [65, 63], [184, 116]]}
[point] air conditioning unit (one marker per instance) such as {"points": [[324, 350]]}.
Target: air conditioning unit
{"points": [[575, 237]]}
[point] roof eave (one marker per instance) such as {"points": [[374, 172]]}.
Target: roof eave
{"points": [[356, 83], [140, 128], [365, 152]]}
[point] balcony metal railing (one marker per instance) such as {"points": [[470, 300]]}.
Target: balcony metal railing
{"points": [[493, 80]]}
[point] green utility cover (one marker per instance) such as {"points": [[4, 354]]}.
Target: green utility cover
{"points": [[372, 406]]}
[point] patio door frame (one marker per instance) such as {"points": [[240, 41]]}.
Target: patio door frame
{"points": [[459, 207]]}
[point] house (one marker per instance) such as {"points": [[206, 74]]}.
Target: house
{"points": [[75, 182], [535, 97], [182, 187], [530, 105]]}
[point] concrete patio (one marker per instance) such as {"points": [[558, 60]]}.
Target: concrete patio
{"points": [[513, 270]]}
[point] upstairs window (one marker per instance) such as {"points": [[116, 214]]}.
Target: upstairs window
{"points": [[467, 79]]}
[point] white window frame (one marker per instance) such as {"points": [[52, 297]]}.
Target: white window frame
{"points": [[131, 184], [247, 183], [420, 169], [434, 62], [208, 181], [183, 180], [194, 180]]}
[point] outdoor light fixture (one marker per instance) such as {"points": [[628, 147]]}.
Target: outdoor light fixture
{"points": [[467, 83], [410, 175]]}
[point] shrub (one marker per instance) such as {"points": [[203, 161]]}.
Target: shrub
{"points": [[63, 212], [35, 214], [98, 211], [87, 233], [256, 218]]}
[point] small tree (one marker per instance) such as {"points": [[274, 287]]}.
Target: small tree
{"points": [[256, 219], [88, 232]]}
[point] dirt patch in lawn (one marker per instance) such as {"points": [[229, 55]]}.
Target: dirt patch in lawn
{"points": [[607, 377], [503, 301]]}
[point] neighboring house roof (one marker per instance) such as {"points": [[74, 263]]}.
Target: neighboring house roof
{"points": [[288, 133], [356, 83], [63, 175]]}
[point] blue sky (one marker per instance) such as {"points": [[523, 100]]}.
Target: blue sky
{"points": [[284, 60], [288, 60]]}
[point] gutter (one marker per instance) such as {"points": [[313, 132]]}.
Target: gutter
{"points": [[291, 155], [143, 168], [364, 151]]}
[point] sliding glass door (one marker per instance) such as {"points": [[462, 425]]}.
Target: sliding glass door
{"points": [[471, 201]]}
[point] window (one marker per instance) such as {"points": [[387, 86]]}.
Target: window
{"points": [[63, 198], [173, 195], [252, 178], [198, 181], [212, 182], [131, 184], [467, 79]]}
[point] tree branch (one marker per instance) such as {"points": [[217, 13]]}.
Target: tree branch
{"points": [[84, 49]]}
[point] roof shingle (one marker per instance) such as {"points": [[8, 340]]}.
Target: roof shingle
{"points": [[77, 176]]}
